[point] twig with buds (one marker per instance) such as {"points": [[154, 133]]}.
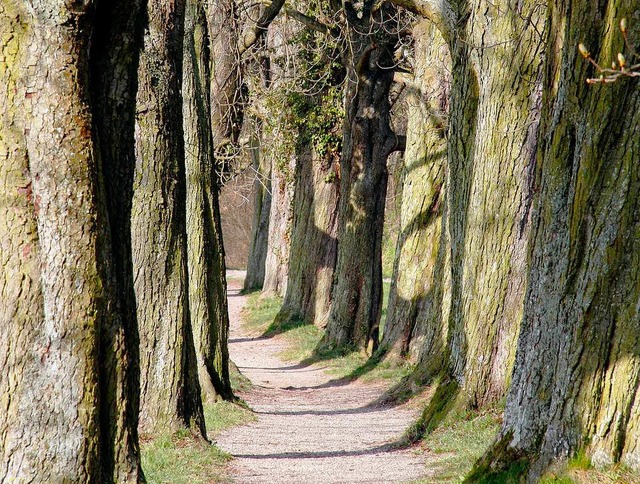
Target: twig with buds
{"points": [[617, 70]]}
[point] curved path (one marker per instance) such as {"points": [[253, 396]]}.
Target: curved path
{"points": [[310, 429]]}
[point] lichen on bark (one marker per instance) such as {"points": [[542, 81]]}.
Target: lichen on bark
{"points": [[576, 375]]}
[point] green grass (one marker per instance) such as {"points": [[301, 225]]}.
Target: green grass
{"points": [[579, 470], [182, 459], [303, 340], [456, 444]]}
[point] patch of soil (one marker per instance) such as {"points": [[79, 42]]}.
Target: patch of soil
{"points": [[311, 428]]}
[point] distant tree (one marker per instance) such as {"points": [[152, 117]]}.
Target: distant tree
{"points": [[371, 33], [310, 101], [258, 243]]}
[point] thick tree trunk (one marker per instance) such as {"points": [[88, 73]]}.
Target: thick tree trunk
{"points": [[414, 315], [206, 266], [577, 370], [492, 138], [280, 221], [116, 44], [492, 133], [368, 140], [261, 211], [63, 354], [170, 393], [314, 244]]}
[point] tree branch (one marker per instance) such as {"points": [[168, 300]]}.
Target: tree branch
{"points": [[260, 28], [440, 12], [309, 22]]}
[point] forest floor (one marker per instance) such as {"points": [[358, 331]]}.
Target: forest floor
{"points": [[310, 426]]}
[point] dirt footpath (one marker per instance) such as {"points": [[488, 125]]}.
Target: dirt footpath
{"points": [[310, 429]]}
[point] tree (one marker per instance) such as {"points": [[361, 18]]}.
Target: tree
{"points": [[69, 406], [491, 141], [276, 156], [205, 249], [313, 109], [371, 34], [576, 375], [170, 392], [254, 278], [276, 265], [235, 35], [420, 276]]}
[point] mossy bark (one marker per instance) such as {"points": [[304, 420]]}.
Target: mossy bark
{"points": [[205, 249], [63, 353], [367, 142], [494, 104], [314, 245], [494, 114], [414, 315], [170, 393], [576, 376]]}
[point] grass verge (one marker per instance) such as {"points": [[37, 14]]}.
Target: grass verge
{"points": [[456, 444], [181, 459], [580, 471]]}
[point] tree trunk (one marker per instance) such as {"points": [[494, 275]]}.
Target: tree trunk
{"points": [[63, 353], [492, 138], [115, 50], [314, 244], [226, 87], [576, 376], [419, 270], [170, 393], [261, 211], [368, 140], [280, 221], [206, 266]]}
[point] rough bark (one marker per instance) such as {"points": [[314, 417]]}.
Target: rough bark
{"points": [[576, 376], [367, 142], [414, 314], [314, 245], [494, 116], [226, 94], [495, 52], [170, 393], [280, 220], [261, 211], [63, 354], [206, 265], [115, 49]]}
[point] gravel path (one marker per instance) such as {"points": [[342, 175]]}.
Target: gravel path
{"points": [[310, 429]]}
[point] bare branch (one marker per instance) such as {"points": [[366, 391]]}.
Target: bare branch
{"points": [[309, 22], [260, 28], [619, 69], [439, 12]]}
